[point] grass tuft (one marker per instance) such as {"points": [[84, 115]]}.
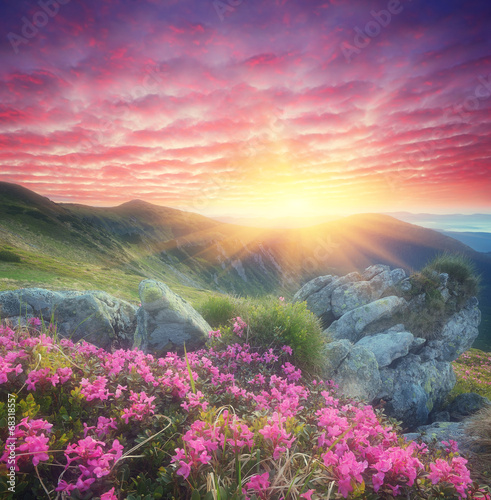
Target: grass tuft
{"points": [[427, 318]]}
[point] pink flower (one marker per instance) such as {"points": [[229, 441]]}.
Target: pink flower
{"points": [[109, 495], [282, 299], [96, 389], [307, 495], [34, 321], [239, 326], [38, 446], [214, 334], [287, 349], [64, 486], [259, 483], [184, 470]]}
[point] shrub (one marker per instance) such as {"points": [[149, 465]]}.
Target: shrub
{"points": [[276, 323], [220, 309], [8, 256], [268, 322]]}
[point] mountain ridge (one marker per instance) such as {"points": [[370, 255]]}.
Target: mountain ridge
{"points": [[194, 253]]}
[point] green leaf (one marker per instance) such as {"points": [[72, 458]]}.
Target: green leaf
{"points": [[195, 495], [191, 379]]}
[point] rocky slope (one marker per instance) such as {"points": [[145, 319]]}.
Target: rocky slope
{"points": [[374, 356]]}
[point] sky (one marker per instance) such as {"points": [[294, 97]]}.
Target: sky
{"points": [[247, 108]]}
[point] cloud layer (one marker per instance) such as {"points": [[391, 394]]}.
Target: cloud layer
{"points": [[248, 107]]}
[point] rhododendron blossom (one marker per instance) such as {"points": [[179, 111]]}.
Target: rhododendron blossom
{"points": [[247, 410]]}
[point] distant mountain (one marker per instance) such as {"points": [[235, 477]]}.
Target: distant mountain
{"points": [[138, 239], [279, 222], [448, 222], [481, 242]]}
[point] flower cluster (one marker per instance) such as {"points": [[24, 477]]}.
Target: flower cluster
{"points": [[92, 462], [248, 417], [239, 326], [33, 447]]}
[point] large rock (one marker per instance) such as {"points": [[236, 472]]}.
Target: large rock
{"points": [[166, 321], [414, 388], [313, 286], [334, 354], [94, 316], [352, 324], [388, 347], [319, 302], [359, 376], [457, 335], [372, 271], [347, 297], [415, 373]]}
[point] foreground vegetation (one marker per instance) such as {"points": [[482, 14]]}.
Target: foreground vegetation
{"points": [[228, 422], [270, 323], [473, 371]]}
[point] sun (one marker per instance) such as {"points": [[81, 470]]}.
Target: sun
{"points": [[291, 204]]}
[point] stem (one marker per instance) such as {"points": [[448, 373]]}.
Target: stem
{"points": [[41, 481]]}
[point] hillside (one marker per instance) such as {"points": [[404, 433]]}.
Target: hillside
{"points": [[77, 246]]}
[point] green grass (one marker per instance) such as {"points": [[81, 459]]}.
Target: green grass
{"points": [[463, 277], [473, 371], [218, 310], [56, 273], [271, 324]]}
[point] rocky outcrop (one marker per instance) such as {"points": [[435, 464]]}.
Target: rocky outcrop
{"points": [[353, 324], [371, 355], [166, 321], [457, 335], [94, 316]]}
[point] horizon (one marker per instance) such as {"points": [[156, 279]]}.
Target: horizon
{"points": [[250, 110], [436, 221]]}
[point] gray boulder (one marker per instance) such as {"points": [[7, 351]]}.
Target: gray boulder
{"points": [[334, 354], [414, 388], [458, 333], [94, 316], [320, 302], [415, 374], [347, 297], [359, 376], [313, 286], [352, 324], [372, 271], [388, 346], [166, 321], [380, 283], [466, 404], [397, 275]]}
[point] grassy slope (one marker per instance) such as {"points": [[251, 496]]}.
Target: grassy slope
{"points": [[74, 246]]}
